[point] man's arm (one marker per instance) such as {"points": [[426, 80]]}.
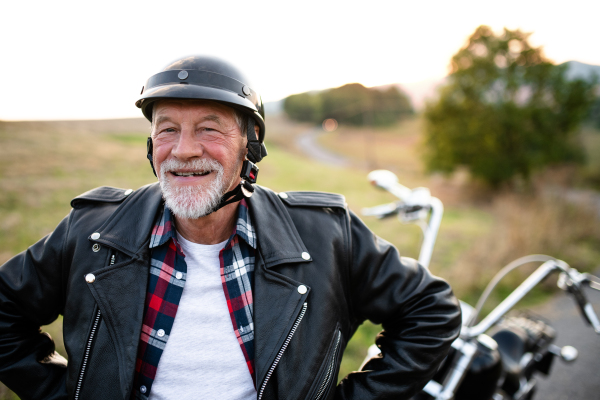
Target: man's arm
{"points": [[31, 295], [419, 314]]}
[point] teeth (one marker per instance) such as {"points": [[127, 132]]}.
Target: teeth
{"points": [[191, 173]]}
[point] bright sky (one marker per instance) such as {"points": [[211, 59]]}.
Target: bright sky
{"points": [[77, 59]]}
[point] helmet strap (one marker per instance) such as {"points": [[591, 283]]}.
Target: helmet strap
{"points": [[256, 149], [244, 189], [149, 154]]}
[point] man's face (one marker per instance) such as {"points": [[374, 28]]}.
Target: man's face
{"points": [[198, 151]]}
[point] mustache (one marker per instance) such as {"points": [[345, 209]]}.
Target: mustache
{"points": [[196, 165]]}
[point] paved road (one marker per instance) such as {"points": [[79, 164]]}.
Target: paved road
{"points": [[581, 379], [307, 142]]}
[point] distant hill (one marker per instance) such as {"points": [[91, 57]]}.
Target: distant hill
{"points": [[578, 69], [419, 92]]}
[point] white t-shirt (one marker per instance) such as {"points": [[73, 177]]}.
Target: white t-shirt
{"points": [[202, 358]]}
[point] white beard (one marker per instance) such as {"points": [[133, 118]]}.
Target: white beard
{"points": [[192, 202]]}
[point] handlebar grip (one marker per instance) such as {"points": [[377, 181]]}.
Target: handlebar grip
{"points": [[592, 317]]}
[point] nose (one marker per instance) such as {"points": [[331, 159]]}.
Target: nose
{"points": [[187, 146]]}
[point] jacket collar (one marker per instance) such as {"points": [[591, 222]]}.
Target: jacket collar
{"points": [[277, 237], [128, 229]]}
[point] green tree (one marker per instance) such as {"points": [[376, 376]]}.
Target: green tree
{"points": [[304, 107], [351, 104], [505, 110], [594, 115]]}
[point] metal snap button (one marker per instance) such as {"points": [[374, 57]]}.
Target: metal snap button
{"points": [[96, 248], [305, 255], [128, 192], [283, 195], [178, 275], [302, 289], [90, 278], [95, 236], [160, 333], [143, 389]]}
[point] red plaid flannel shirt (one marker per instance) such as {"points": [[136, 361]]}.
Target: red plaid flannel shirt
{"points": [[167, 279]]}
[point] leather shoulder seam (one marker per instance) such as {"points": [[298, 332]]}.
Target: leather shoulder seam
{"points": [[102, 194], [313, 199]]}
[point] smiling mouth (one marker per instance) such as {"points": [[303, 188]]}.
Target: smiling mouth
{"points": [[185, 174]]}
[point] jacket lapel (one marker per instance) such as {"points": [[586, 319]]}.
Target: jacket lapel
{"points": [[277, 301], [120, 289]]}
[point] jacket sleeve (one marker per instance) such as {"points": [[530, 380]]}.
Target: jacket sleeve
{"points": [[419, 314], [31, 296]]}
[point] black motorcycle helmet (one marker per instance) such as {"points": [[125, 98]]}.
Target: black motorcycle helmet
{"points": [[208, 78]]}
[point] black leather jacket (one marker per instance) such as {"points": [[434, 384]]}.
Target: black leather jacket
{"points": [[351, 275]]}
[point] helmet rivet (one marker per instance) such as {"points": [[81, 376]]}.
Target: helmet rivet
{"points": [[182, 75], [246, 90]]}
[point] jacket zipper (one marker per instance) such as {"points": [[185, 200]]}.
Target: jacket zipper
{"points": [[282, 350], [88, 346], [330, 368]]}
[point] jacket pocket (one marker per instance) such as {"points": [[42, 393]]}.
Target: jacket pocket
{"points": [[329, 370]]}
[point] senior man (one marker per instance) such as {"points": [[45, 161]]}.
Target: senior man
{"points": [[206, 286]]}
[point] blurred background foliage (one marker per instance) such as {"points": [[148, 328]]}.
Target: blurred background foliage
{"points": [[505, 110], [351, 104]]}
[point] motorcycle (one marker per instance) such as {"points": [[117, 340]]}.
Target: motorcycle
{"points": [[500, 356]]}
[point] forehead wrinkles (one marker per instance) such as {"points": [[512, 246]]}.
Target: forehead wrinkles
{"points": [[210, 107]]}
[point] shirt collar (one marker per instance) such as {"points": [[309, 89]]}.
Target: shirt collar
{"points": [[164, 228]]}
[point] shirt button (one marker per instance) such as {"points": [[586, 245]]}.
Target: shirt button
{"points": [[283, 195], [143, 389], [95, 236], [90, 278], [160, 333], [179, 275], [128, 192], [305, 255], [302, 289]]}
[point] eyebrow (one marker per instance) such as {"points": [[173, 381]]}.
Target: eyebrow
{"points": [[210, 117]]}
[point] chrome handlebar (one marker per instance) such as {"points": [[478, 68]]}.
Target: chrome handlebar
{"points": [[416, 205], [570, 280]]}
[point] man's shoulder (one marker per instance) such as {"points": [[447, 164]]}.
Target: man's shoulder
{"points": [[107, 194], [308, 199]]}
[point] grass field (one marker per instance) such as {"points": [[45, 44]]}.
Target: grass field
{"points": [[45, 164]]}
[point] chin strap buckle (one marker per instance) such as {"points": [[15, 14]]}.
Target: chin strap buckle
{"points": [[248, 175], [245, 188]]}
